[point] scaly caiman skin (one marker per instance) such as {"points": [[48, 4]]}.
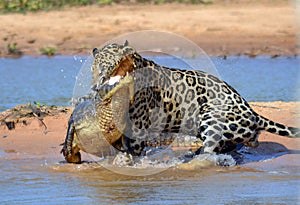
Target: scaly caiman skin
{"points": [[96, 125]]}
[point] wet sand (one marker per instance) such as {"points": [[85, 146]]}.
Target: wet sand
{"points": [[35, 141], [224, 28]]}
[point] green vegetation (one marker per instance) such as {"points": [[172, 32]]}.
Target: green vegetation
{"points": [[12, 46], [40, 105], [48, 50], [7, 6], [36, 5], [106, 2]]}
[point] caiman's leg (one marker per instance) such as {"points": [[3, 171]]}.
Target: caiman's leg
{"points": [[70, 149]]}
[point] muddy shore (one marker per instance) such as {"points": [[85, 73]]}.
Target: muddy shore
{"points": [[41, 138], [222, 28]]}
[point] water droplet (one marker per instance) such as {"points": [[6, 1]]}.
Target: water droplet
{"points": [[75, 58]]}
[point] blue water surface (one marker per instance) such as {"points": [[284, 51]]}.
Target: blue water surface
{"points": [[42, 79], [262, 78], [51, 80]]}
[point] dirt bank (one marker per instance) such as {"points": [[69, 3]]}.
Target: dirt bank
{"points": [[223, 28], [41, 139]]}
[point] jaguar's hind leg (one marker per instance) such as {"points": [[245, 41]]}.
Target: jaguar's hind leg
{"points": [[215, 144], [211, 132]]}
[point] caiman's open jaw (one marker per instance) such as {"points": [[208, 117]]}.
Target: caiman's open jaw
{"points": [[122, 69]]}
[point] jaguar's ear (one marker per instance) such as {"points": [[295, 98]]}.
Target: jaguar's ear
{"points": [[126, 43], [95, 51]]}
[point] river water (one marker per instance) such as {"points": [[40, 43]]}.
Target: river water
{"points": [[267, 179], [51, 80], [37, 181]]}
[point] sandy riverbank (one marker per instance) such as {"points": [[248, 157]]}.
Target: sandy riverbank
{"points": [[223, 28], [33, 140]]}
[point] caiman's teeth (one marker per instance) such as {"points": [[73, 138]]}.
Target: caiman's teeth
{"points": [[113, 80]]}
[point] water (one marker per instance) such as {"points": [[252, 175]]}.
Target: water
{"points": [[267, 179], [262, 79], [51, 80], [45, 80], [36, 181]]}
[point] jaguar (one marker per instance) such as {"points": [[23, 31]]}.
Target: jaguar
{"points": [[180, 101]]}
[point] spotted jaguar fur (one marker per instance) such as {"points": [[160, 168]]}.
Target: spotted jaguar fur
{"points": [[190, 102]]}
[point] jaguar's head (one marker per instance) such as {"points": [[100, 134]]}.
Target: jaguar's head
{"points": [[111, 63]]}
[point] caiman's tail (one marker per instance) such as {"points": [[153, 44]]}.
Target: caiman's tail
{"points": [[277, 128]]}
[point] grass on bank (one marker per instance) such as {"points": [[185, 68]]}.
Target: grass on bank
{"points": [[9, 6], [48, 50]]}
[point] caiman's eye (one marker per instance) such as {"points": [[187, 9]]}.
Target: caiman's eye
{"points": [[102, 80]]}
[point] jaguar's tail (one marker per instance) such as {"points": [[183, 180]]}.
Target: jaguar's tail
{"points": [[277, 128]]}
